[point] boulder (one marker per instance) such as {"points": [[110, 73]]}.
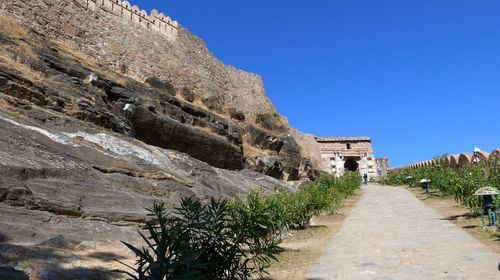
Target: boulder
{"points": [[268, 165], [236, 114], [291, 158], [214, 102], [168, 133], [116, 93], [21, 91], [263, 139], [187, 94], [16, 195], [58, 242], [53, 61], [163, 85]]}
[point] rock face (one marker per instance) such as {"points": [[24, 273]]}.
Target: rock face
{"points": [[115, 42], [89, 174], [12, 274], [89, 139], [167, 133], [269, 165], [184, 66]]}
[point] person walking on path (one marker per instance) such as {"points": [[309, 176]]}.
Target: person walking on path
{"points": [[365, 179]]}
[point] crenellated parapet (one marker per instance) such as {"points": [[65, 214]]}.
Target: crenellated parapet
{"points": [[455, 161], [155, 21]]}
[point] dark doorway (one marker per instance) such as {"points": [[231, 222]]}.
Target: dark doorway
{"points": [[351, 165]]}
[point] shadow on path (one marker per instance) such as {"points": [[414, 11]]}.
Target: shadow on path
{"points": [[464, 216], [52, 263]]}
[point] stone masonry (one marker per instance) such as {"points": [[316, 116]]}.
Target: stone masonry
{"points": [[155, 21], [122, 41], [455, 161], [347, 153], [382, 166]]}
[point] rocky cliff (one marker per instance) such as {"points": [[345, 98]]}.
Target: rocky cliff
{"points": [[183, 67], [100, 117], [139, 53]]}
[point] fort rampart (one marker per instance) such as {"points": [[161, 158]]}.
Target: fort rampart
{"points": [[455, 161], [154, 21]]}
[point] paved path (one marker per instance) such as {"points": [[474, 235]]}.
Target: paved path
{"points": [[390, 234]]}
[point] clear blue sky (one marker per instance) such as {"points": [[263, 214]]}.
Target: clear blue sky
{"points": [[421, 77]]}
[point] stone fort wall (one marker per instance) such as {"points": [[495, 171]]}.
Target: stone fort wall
{"points": [[361, 147], [337, 151], [383, 165], [111, 37], [154, 21], [345, 145], [455, 161]]}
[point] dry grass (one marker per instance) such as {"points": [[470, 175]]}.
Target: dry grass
{"points": [[66, 50], [11, 28], [273, 122], [25, 50], [4, 105], [198, 103], [182, 98], [251, 151], [23, 69], [305, 247], [209, 131], [89, 62]]}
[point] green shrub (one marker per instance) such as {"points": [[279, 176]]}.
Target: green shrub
{"points": [[461, 184], [471, 178], [200, 242], [302, 209], [167, 255], [214, 235], [324, 194], [231, 240], [132, 100], [259, 221]]}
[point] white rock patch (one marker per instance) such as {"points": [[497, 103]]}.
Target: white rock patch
{"points": [[56, 137], [116, 145]]}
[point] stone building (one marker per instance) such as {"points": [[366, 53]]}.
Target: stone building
{"points": [[382, 166], [340, 154]]}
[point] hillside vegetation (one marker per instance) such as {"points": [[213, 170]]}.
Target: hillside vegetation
{"points": [[231, 239], [461, 183]]}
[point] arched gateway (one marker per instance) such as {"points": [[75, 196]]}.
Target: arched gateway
{"points": [[341, 154], [351, 164]]}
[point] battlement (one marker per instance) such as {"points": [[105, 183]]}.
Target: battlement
{"points": [[344, 139], [154, 21]]}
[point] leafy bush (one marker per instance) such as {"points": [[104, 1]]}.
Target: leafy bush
{"points": [[231, 240], [461, 184], [259, 221], [169, 257], [217, 238], [471, 178], [132, 100], [199, 242], [324, 194]]}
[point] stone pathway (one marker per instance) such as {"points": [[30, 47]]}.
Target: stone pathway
{"points": [[390, 234]]}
